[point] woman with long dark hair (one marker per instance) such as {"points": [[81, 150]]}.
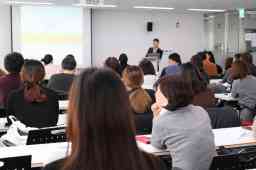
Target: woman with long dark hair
{"points": [[100, 127], [33, 105]]}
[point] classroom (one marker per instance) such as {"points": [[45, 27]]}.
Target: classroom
{"points": [[128, 84]]}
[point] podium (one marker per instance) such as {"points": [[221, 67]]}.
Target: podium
{"points": [[155, 59]]}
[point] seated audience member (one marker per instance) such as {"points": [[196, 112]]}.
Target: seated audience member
{"points": [[184, 129], [203, 96], [248, 59], [123, 60], [173, 68], [12, 63], [244, 88], [50, 69], [237, 57], [212, 59], [63, 81], [209, 67], [33, 105], [149, 74], [113, 63], [100, 127], [139, 98], [197, 61], [227, 75]]}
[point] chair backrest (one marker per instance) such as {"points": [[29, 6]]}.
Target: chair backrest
{"points": [[235, 159], [223, 117], [47, 135], [151, 93], [16, 163], [143, 123]]}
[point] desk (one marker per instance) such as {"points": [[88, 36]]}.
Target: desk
{"points": [[3, 129], [41, 154], [225, 97], [63, 104], [215, 81], [45, 153], [228, 137]]}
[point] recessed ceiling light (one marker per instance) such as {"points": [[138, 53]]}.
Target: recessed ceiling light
{"points": [[28, 3], [153, 8], [95, 5], [207, 10]]}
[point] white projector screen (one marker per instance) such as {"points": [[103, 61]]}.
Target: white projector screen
{"points": [[40, 30]]}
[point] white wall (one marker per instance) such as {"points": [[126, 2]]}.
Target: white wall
{"points": [[115, 32], [5, 32]]}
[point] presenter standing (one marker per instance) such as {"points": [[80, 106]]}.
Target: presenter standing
{"points": [[155, 49], [155, 53]]}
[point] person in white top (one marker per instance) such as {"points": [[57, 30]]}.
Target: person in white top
{"points": [[149, 74]]}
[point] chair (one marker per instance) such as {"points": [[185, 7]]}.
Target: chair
{"points": [[16, 163], [151, 93], [235, 158], [223, 117], [47, 135], [143, 123]]}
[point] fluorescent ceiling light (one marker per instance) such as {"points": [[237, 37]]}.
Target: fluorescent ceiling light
{"points": [[251, 12], [207, 10], [95, 5], [28, 3], [153, 8]]}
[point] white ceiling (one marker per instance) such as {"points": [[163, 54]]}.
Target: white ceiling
{"points": [[177, 4]]}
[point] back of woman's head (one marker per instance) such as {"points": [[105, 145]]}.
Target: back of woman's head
{"points": [[69, 63], [192, 75], [247, 58], [32, 74], [211, 57], [113, 63], [197, 61], [177, 90], [239, 70], [48, 59], [147, 67], [123, 59], [100, 124], [133, 77], [228, 63]]}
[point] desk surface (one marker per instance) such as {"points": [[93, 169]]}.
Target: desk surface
{"points": [[215, 81], [225, 97], [45, 153], [62, 121], [41, 154], [63, 104], [228, 137]]}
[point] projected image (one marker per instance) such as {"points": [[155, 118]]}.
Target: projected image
{"points": [[54, 30]]}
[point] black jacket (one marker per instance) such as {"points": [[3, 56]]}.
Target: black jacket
{"points": [[159, 51]]}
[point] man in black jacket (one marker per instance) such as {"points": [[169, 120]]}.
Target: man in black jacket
{"points": [[155, 49]]}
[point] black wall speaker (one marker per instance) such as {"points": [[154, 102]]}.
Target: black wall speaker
{"points": [[150, 26]]}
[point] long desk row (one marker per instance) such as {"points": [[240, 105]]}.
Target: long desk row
{"points": [[43, 154], [3, 121]]}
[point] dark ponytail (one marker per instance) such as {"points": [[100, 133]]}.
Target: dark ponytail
{"points": [[32, 73]]}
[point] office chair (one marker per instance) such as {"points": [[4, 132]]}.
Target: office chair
{"points": [[143, 123], [240, 158], [47, 135], [223, 117], [16, 163]]}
